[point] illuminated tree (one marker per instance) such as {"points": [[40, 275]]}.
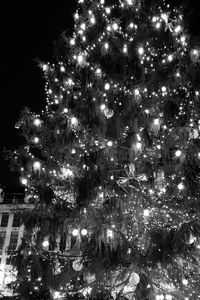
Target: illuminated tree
{"points": [[113, 162]]}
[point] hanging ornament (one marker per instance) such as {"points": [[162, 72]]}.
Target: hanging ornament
{"points": [[37, 166], [190, 239], [142, 177], [160, 182], [193, 133], [89, 278], [108, 113], [134, 279], [195, 55], [77, 265], [137, 147], [131, 169], [137, 95], [45, 243], [155, 126], [74, 122]]}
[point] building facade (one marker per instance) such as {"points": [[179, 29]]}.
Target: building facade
{"points": [[11, 233]]}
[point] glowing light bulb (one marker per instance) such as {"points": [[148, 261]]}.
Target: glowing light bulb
{"points": [[125, 49], [36, 140], [57, 295], [154, 19], [178, 153], [45, 243], [156, 121], [183, 39], [74, 121], [107, 86], [146, 213], [181, 186], [83, 27], [158, 25], [66, 172], [136, 92], [168, 297], [72, 42], [62, 69], [45, 67], [102, 106], [106, 46], [164, 17], [102, 1], [24, 181], [80, 58], [108, 28], [37, 122], [115, 26], [107, 9], [141, 50], [70, 82], [65, 110], [139, 146], [36, 165], [164, 89], [75, 232], [170, 57], [131, 25], [129, 2], [185, 281], [195, 52], [110, 143], [178, 29], [92, 20], [109, 233], [198, 155], [76, 16], [84, 232], [98, 71]]}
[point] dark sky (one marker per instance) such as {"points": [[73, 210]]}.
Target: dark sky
{"points": [[28, 32]]}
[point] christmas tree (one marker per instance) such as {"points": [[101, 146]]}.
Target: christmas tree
{"points": [[112, 164]]}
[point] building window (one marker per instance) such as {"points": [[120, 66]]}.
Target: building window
{"points": [[2, 240], [16, 221], [4, 220], [63, 242], [13, 240]]}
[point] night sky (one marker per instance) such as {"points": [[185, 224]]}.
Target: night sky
{"points": [[28, 32]]}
